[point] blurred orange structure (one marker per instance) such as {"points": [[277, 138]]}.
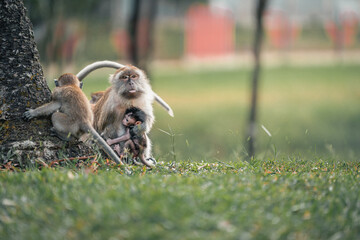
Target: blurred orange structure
{"points": [[281, 30], [343, 32], [209, 33], [120, 41]]}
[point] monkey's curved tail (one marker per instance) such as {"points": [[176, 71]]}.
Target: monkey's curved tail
{"points": [[104, 145], [110, 64], [163, 104], [96, 65]]}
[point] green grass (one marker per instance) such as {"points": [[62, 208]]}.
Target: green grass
{"points": [[309, 110], [275, 199], [303, 184]]}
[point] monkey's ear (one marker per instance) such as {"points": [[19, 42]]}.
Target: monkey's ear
{"points": [[138, 122]]}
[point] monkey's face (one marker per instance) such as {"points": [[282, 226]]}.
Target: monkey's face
{"points": [[128, 120], [130, 82]]}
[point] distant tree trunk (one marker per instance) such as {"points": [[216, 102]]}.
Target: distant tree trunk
{"points": [[141, 37], [22, 86], [151, 10], [260, 9], [133, 32]]}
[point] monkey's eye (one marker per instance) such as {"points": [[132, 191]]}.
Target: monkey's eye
{"points": [[134, 76]]}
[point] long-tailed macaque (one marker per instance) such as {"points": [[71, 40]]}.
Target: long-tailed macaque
{"points": [[134, 139], [129, 88], [71, 113]]}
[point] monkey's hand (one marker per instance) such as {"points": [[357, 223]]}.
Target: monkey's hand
{"points": [[109, 141], [29, 114]]}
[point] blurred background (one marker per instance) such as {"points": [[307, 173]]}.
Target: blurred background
{"points": [[198, 55]]}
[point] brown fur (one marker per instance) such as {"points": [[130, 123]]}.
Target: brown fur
{"points": [[71, 113], [110, 108], [74, 104], [95, 96]]}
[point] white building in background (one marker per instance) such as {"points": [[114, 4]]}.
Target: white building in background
{"points": [[301, 10]]}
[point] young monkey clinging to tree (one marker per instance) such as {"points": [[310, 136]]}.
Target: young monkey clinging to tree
{"points": [[71, 113], [134, 138]]}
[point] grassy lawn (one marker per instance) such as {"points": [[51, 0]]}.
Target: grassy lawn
{"points": [[274, 199], [303, 183]]}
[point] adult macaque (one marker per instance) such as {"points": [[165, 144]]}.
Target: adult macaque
{"points": [[134, 138], [71, 113], [129, 88]]}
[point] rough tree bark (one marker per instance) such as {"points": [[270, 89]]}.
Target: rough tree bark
{"points": [[22, 85]]}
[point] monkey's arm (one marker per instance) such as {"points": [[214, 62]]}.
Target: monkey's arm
{"points": [[43, 110], [122, 138]]}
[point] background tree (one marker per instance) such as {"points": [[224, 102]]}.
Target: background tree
{"points": [[53, 18], [133, 26], [259, 32], [141, 31], [22, 86]]}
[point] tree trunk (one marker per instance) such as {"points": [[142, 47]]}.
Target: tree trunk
{"points": [[150, 15], [141, 37], [260, 9], [22, 85], [133, 27]]}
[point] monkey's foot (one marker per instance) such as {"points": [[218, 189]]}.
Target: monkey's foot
{"points": [[53, 132], [136, 162], [66, 138], [151, 161]]}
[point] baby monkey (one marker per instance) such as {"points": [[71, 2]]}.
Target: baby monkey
{"points": [[134, 138]]}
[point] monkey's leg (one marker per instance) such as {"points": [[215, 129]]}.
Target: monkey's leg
{"points": [[117, 149], [128, 148], [130, 145], [122, 138], [65, 128], [128, 151]]}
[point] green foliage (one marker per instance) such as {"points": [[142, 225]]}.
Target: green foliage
{"points": [[273, 199]]}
